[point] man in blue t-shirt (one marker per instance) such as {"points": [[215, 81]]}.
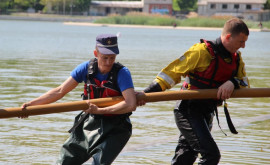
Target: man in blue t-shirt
{"points": [[100, 133]]}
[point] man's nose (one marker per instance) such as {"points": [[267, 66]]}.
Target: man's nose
{"points": [[108, 62], [243, 45]]}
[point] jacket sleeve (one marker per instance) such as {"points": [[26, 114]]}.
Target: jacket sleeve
{"points": [[196, 58], [241, 76]]}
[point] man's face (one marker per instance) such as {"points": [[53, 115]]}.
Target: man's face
{"points": [[236, 42], [105, 62]]}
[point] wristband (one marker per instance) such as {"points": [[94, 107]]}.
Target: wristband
{"points": [[153, 87]]}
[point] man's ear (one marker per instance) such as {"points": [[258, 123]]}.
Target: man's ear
{"points": [[228, 36], [95, 53]]}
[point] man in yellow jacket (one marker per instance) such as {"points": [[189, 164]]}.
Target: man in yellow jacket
{"points": [[208, 64]]}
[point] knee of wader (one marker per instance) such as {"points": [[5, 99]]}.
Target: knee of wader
{"points": [[210, 159], [215, 157]]}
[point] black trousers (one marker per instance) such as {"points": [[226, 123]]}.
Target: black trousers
{"points": [[194, 120]]}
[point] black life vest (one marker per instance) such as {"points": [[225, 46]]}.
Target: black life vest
{"points": [[218, 72], [94, 88]]}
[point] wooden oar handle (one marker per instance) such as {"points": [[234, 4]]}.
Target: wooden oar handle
{"points": [[148, 97], [57, 107]]}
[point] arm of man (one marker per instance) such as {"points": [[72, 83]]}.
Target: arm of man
{"points": [[54, 94], [241, 77], [196, 58], [240, 81], [125, 106]]}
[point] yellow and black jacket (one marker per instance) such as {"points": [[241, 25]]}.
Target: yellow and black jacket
{"points": [[197, 60]]}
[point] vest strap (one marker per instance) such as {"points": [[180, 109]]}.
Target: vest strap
{"points": [[229, 120], [95, 89]]}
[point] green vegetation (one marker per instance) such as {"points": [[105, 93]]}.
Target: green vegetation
{"points": [[266, 24], [73, 6], [45, 6], [139, 19], [164, 20], [267, 4], [187, 5], [204, 22]]}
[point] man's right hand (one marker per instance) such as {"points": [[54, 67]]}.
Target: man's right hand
{"points": [[225, 90]]}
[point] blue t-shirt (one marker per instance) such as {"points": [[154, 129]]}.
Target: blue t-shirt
{"points": [[124, 79]]}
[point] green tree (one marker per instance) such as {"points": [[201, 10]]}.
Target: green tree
{"points": [[267, 4], [4, 6], [56, 6], [66, 6], [25, 4], [175, 5], [82, 5], [187, 5]]}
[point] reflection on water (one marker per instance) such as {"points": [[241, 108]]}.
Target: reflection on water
{"points": [[37, 56]]}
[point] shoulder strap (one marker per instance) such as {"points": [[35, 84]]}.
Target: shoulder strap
{"points": [[211, 47], [237, 63], [212, 50], [113, 75], [92, 68]]}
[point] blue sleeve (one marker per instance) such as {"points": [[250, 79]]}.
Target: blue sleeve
{"points": [[124, 79], [80, 72]]}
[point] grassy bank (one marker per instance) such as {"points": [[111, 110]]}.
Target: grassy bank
{"points": [[164, 20], [134, 18]]}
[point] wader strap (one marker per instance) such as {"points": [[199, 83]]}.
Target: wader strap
{"points": [[228, 118], [229, 121], [77, 123], [216, 112], [84, 116], [198, 84]]}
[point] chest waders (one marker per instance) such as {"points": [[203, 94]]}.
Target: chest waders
{"points": [[101, 137], [194, 117]]}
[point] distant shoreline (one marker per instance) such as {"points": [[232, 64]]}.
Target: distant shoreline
{"points": [[138, 26], [146, 26], [88, 21], [47, 17]]}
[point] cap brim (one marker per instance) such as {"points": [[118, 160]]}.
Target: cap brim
{"points": [[111, 50]]}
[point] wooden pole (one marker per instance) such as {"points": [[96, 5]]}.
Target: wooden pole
{"points": [[148, 97]]}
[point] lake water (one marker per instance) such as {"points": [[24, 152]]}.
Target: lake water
{"points": [[38, 56]]}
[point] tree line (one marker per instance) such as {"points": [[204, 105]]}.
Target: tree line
{"points": [[78, 6], [45, 6]]}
